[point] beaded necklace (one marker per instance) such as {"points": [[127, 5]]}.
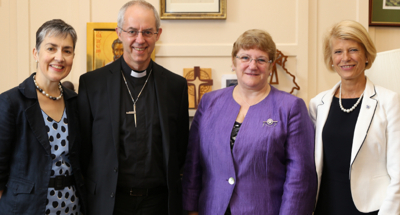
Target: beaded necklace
{"points": [[46, 94]]}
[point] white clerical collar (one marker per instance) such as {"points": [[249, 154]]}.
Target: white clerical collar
{"points": [[138, 74]]}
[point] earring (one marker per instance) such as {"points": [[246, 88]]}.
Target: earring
{"points": [[366, 62], [36, 61], [332, 65], [233, 70]]}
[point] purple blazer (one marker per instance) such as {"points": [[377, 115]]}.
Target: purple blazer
{"points": [[271, 168]]}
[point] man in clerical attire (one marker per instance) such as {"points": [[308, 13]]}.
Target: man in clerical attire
{"points": [[134, 122]]}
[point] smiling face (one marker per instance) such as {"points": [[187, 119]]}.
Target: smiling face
{"points": [[54, 58], [137, 50], [348, 59], [252, 75]]}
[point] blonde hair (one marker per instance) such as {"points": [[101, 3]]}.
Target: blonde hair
{"points": [[349, 30], [255, 38]]}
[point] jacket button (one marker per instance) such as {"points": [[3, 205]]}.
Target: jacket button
{"points": [[115, 169], [112, 195], [231, 180]]}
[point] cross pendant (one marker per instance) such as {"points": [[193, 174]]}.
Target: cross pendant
{"points": [[133, 112]]}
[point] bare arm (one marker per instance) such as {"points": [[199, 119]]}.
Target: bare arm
{"points": [[189, 213], [1, 193]]}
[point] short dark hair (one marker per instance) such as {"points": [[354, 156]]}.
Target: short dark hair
{"points": [[55, 27]]}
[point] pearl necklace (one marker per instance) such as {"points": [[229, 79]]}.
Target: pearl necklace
{"points": [[340, 101], [46, 94]]}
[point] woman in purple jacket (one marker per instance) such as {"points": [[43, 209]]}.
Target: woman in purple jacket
{"points": [[251, 146]]}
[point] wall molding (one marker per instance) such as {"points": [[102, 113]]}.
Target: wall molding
{"points": [[211, 50]]}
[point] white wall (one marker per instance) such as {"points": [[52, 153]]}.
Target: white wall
{"points": [[297, 26]]}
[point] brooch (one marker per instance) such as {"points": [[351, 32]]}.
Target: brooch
{"points": [[270, 122]]}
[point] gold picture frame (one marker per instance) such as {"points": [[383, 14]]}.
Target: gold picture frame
{"points": [[100, 50], [193, 9]]}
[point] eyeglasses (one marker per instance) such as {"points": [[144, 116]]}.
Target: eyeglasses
{"points": [[135, 33], [259, 61]]}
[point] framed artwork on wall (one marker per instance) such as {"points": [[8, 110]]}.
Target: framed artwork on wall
{"points": [[384, 12], [228, 80], [193, 9], [102, 45]]}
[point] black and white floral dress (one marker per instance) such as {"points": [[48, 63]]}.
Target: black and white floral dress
{"points": [[60, 201]]}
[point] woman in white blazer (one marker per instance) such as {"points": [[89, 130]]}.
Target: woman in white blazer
{"points": [[357, 125]]}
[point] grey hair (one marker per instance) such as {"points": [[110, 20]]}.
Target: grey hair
{"points": [[142, 3], [55, 27]]}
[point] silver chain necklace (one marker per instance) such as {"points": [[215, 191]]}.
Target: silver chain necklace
{"points": [[130, 94], [340, 101]]}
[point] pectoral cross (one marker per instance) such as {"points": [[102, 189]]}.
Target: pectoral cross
{"points": [[130, 94], [133, 112]]}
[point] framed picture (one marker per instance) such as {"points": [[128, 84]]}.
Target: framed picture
{"points": [[228, 80], [384, 12], [103, 46], [193, 9]]}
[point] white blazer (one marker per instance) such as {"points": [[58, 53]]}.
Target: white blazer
{"points": [[374, 168]]}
